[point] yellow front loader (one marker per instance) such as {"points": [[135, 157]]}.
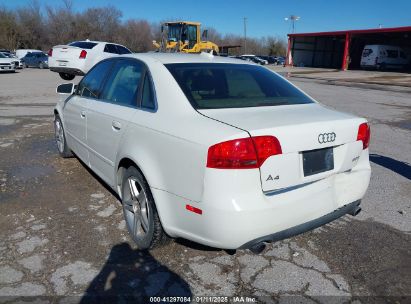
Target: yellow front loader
{"points": [[184, 36]]}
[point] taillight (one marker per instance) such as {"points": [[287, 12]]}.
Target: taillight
{"points": [[83, 54], [50, 52], [243, 153], [364, 134]]}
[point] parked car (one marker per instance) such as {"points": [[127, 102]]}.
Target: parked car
{"points": [[269, 59], [255, 59], [20, 53], [7, 64], [78, 57], [215, 150], [35, 59], [280, 60], [18, 64], [383, 57]]}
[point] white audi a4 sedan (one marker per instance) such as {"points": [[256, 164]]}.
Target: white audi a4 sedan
{"points": [[214, 150]]}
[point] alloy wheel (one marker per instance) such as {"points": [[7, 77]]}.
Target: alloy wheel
{"points": [[136, 208], [59, 135]]}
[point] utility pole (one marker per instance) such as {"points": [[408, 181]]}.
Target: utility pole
{"points": [[245, 35], [293, 19]]}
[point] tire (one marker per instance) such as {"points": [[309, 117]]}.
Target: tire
{"points": [[60, 138], [140, 213], [66, 76], [41, 65], [25, 65]]}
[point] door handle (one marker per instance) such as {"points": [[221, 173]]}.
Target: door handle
{"points": [[83, 114], [116, 125]]}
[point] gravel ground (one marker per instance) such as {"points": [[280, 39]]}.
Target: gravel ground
{"points": [[63, 239]]}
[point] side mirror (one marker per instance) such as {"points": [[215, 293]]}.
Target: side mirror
{"points": [[66, 88]]}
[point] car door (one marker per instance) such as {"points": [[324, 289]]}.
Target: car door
{"points": [[27, 59], [75, 109], [37, 60], [109, 116]]}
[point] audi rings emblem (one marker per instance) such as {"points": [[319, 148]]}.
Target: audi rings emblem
{"points": [[326, 137]]}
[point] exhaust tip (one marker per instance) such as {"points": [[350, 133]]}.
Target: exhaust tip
{"points": [[230, 251], [356, 211], [257, 248]]}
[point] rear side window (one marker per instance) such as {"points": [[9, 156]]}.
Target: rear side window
{"points": [[147, 98], [392, 53], [91, 83], [83, 44], [215, 86], [366, 52], [122, 85]]}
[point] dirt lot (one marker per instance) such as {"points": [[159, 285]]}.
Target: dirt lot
{"points": [[63, 239]]}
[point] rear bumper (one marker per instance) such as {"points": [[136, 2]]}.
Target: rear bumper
{"points": [[237, 214], [310, 225], [71, 71]]}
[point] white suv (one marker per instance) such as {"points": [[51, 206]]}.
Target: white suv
{"points": [[78, 57]]}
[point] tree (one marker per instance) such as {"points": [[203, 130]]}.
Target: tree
{"points": [[30, 26], [8, 29], [137, 35]]}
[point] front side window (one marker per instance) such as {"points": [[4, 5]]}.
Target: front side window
{"points": [[366, 52], [91, 83], [122, 84], [191, 35], [215, 86], [174, 32], [122, 50]]}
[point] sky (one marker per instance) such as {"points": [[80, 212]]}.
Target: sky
{"points": [[263, 17]]}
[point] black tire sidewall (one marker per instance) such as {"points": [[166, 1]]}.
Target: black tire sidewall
{"points": [[146, 242], [66, 76]]}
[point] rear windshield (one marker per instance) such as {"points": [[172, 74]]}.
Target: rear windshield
{"points": [[216, 86], [83, 44]]}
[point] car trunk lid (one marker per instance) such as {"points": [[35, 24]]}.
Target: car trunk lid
{"points": [[332, 136]]}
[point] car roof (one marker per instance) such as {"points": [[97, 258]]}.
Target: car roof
{"points": [[95, 41], [167, 58]]}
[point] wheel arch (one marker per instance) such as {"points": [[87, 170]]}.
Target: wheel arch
{"points": [[124, 163]]}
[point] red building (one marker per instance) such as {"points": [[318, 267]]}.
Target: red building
{"points": [[341, 49]]}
